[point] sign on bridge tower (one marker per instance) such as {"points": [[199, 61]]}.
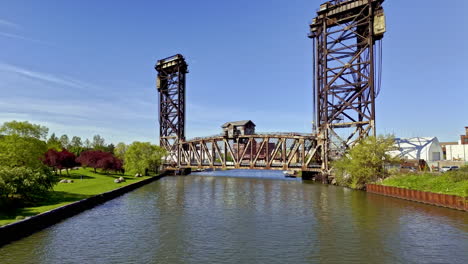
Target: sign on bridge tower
{"points": [[347, 66], [171, 87]]}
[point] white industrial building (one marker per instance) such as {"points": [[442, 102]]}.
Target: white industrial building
{"points": [[457, 152], [416, 148]]}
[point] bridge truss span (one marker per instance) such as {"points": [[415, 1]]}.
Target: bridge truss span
{"points": [[346, 65], [269, 151]]}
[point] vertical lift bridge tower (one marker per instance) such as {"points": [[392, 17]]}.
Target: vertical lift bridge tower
{"points": [[171, 87], [347, 72]]}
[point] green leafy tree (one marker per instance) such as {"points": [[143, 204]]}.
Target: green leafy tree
{"points": [[76, 142], [365, 162], [110, 148], [54, 142], [76, 146], [24, 129], [87, 144], [65, 141], [143, 156], [22, 144], [98, 143], [22, 174], [120, 150]]}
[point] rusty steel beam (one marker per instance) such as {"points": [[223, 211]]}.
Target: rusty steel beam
{"points": [[170, 84], [276, 152], [346, 74]]}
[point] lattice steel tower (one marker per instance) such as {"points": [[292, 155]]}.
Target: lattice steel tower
{"points": [[347, 67], [171, 87]]}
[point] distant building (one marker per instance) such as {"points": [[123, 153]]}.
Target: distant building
{"points": [[238, 128], [444, 147], [417, 148], [458, 152], [464, 138]]}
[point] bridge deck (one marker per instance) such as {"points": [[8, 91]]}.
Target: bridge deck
{"points": [[258, 151]]}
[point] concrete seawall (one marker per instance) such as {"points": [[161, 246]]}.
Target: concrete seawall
{"points": [[18, 230], [444, 200]]}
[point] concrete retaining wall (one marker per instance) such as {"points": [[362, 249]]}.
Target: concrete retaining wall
{"points": [[38, 222], [445, 200]]}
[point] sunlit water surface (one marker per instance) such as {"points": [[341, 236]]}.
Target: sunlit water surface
{"points": [[249, 217]]}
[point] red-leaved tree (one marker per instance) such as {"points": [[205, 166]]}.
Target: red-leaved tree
{"points": [[90, 158], [66, 160], [109, 162], [100, 159], [51, 158], [59, 160]]}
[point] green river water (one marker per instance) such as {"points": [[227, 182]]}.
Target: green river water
{"points": [[249, 217]]}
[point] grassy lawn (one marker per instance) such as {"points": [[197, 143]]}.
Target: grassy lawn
{"points": [[86, 184], [453, 182]]}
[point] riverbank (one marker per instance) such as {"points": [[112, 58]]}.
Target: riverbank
{"points": [[449, 189], [451, 183], [85, 184], [26, 227], [438, 199]]}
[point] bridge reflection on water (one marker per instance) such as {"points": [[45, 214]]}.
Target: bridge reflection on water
{"points": [[255, 174]]}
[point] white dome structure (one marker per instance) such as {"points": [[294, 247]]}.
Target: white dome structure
{"points": [[416, 148]]}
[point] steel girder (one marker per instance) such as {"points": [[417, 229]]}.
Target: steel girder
{"points": [[345, 87]]}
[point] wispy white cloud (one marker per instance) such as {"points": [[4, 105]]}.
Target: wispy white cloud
{"points": [[13, 26], [16, 36], [117, 118], [10, 24], [41, 76], [19, 74], [75, 109]]}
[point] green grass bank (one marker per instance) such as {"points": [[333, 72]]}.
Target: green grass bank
{"points": [[86, 184], [452, 182]]}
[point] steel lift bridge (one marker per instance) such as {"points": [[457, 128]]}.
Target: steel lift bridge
{"points": [[347, 72]]}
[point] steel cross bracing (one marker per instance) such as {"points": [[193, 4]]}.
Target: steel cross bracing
{"points": [[346, 82], [274, 152], [171, 88], [269, 151], [345, 73]]}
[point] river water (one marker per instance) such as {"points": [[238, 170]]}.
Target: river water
{"points": [[249, 217]]}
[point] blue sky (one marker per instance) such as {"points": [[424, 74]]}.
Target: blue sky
{"points": [[86, 67]]}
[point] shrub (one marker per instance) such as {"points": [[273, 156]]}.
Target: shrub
{"points": [[26, 183], [365, 162], [143, 156]]}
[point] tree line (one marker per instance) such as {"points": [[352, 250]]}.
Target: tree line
{"points": [[76, 145], [31, 162]]}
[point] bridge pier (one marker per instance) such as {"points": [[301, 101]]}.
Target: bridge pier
{"points": [[174, 172], [186, 171], [309, 175], [315, 176]]}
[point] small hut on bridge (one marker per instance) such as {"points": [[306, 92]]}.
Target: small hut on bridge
{"points": [[238, 128]]}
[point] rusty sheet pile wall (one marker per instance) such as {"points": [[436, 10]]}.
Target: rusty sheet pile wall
{"points": [[445, 200]]}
